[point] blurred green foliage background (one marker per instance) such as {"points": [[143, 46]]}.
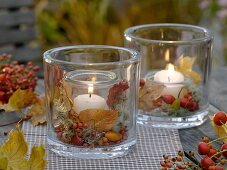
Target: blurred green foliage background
{"points": [[74, 22]]}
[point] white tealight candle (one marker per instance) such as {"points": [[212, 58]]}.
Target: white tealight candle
{"points": [[170, 76], [89, 101]]}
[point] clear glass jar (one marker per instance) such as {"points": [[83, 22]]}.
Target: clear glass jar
{"points": [[175, 63], [91, 96]]}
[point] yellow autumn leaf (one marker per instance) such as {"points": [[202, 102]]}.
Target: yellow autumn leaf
{"points": [[186, 62], [103, 120], [14, 150], [13, 154], [185, 66], [3, 163], [20, 99], [38, 112], [36, 160], [219, 130]]}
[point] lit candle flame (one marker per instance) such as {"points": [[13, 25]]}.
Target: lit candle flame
{"points": [[90, 86], [170, 67], [167, 55], [90, 89]]}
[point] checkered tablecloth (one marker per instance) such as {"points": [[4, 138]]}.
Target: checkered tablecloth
{"points": [[152, 143]]}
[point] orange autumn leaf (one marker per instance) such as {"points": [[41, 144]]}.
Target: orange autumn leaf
{"points": [[38, 112], [221, 131], [20, 99], [103, 120]]}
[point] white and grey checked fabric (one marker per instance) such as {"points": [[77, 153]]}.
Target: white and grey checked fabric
{"points": [[152, 143]]}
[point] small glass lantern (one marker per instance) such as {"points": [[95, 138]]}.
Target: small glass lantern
{"points": [[176, 62], [91, 96]]}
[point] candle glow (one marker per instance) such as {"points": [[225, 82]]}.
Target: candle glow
{"points": [[88, 101], [169, 75]]}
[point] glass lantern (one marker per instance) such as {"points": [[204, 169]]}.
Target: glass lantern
{"points": [[176, 63], [91, 96]]}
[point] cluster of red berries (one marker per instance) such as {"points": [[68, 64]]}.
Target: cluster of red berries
{"points": [[82, 135], [115, 92], [15, 76], [211, 155], [71, 138], [213, 158], [186, 102]]}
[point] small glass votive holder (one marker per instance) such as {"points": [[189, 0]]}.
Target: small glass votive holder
{"points": [[175, 67], [91, 94]]}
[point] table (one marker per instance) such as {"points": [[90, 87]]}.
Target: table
{"points": [[218, 99], [191, 136]]}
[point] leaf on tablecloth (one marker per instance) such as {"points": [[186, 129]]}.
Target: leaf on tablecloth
{"points": [[185, 66], [36, 160], [38, 112], [221, 131], [20, 99], [148, 94], [103, 120], [13, 154]]}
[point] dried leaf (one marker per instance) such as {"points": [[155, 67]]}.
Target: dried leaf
{"points": [[186, 62], [103, 120], [221, 131], [148, 94], [13, 153], [185, 66], [20, 99], [61, 101], [68, 88], [38, 112], [36, 160], [113, 136]]}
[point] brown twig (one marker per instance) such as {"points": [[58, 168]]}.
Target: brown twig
{"points": [[17, 121], [194, 160]]}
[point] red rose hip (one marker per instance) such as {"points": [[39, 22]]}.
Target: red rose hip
{"points": [[206, 162], [213, 152], [184, 102], [142, 82], [224, 147], [215, 168], [77, 141], [203, 148], [168, 99], [220, 118]]}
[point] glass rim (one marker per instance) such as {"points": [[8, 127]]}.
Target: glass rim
{"points": [[128, 33], [73, 76], [48, 58]]}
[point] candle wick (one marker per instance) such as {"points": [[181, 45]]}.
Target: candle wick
{"points": [[90, 95], [168, 79]]}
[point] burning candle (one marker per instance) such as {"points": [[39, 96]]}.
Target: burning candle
{"points": [[89, 101], [170, 78]]}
